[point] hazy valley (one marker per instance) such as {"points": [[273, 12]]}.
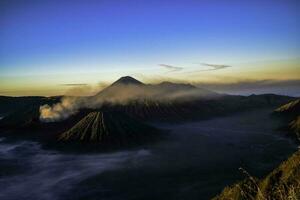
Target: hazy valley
{"points": [[132, 139]]}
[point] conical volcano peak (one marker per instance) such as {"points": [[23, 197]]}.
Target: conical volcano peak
{"points": [[127, 80]]}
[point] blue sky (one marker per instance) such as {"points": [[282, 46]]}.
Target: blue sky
{"points": [[50, 37]]}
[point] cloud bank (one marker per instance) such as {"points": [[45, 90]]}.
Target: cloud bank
{"points": [[74, 84], [248, 87], [214, 67]]}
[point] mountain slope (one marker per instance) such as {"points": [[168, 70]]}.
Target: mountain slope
{"points": [[294, 126], [109, 129], [195, 108], [290, 112], [292, 108]]}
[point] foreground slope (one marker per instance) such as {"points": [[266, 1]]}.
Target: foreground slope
{"points": [[281, 184]]}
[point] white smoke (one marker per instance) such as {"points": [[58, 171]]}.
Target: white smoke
{"points": [[59, 111], [119, 94]]}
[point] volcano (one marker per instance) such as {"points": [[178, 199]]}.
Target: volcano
{"points": [[127, 80], [109, 129]]}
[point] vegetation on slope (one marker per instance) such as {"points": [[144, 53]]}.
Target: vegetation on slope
{"points": [[281, 184]]}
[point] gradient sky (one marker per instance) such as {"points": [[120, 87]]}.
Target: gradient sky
{"points": [[47, 45]]}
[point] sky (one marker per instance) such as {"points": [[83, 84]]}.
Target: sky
{"points": [[47, 47]]}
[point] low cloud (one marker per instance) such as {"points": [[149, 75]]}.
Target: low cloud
{"points": [[73, 84], [171, 68], [214, 67], [248, 87]]}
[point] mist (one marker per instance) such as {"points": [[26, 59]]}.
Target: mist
{"points": [[195, 160], [165, 92], [48, 174]]}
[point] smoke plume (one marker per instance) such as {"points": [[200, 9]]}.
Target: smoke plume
{"points": [[59, 111], [121, 94]]}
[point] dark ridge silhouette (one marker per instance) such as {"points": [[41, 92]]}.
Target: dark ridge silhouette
{"points": [[170, 111], [23, 112], [11, 104], [109, 129], [22, 118]]}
